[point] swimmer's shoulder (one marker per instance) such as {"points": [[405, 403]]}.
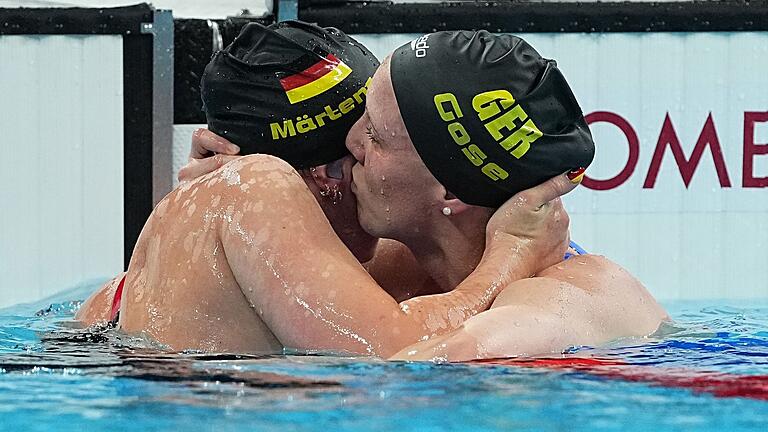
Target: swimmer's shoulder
{"points": [[264, 168], [583, 269], [264, 162], [249, 173]]}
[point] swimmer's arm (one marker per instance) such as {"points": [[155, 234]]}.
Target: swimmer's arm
{"points": [[312, 292], [588, 300], [510, 331], [558, 316]]}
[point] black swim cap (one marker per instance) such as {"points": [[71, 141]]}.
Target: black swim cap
{"points": [[292, 90], [487, 114]]}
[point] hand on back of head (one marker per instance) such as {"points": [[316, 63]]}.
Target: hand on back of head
{"points": [[537, 219], [204, 145]]}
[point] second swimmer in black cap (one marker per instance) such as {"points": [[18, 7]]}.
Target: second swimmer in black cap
{"points": [[293, 90]]}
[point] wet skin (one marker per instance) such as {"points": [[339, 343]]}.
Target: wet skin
{"points": [[244, 260]]}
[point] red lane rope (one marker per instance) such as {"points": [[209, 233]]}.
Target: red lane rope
{"points": [[720, 384]]}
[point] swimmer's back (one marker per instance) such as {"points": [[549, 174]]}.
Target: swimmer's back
{"points": [[179, 287]]}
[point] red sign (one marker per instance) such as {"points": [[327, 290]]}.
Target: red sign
{"points": [[668, 139]]}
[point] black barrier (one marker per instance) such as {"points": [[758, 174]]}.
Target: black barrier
{"points": [[193, 47], [62, 21], [537, 17], [137, 89]]}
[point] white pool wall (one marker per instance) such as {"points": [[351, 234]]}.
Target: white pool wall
{"points": [[61, 170]]}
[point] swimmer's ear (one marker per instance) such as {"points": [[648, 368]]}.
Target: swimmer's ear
{"points": [[327, 176], [456, 205]]}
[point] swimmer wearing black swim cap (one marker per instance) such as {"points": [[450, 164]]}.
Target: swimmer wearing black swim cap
{"points": [[291, 90], [487, 114]]}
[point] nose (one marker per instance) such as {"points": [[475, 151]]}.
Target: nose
{"points": [[355, 138]]}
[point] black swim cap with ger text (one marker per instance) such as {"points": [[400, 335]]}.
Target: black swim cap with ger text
{"points": [[292, 90], [487, 114]]}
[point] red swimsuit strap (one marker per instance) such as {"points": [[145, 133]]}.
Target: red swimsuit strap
{"points": [[116, 300]]}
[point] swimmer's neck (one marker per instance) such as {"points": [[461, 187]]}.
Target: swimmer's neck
{"points": [[450, 253]]}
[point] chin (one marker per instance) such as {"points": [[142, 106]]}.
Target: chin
{"points": [[371, 228]]}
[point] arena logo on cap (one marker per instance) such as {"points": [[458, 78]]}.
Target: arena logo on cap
{"points": [[317, 79]]}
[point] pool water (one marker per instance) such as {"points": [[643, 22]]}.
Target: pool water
{"points": [[708, 371]]}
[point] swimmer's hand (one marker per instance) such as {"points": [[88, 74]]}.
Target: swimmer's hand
{"points": [[534, 224], [204, 145]]}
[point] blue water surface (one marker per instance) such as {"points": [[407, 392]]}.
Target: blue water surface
{"points": [[55, 376]]}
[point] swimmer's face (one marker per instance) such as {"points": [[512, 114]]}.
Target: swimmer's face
{"points": [[395, 190]]}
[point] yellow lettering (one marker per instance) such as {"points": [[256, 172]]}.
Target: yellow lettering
{"points": [[474, 154], [495, 172], [458, 133], [284, 132], [305, 124], [443, 98], [521, 139], [506, 121], [319, 119], [332, 113], [346, 105], [491, 103]]}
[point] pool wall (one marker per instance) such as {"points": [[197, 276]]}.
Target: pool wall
{"points": [[62, 165], [86, 99]]}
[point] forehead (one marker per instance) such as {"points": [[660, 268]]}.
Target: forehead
{"points": [[381, 103]]}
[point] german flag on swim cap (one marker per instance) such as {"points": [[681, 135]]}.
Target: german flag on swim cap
{"points": [[292, 90], [318, 78], [487, 114]]}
